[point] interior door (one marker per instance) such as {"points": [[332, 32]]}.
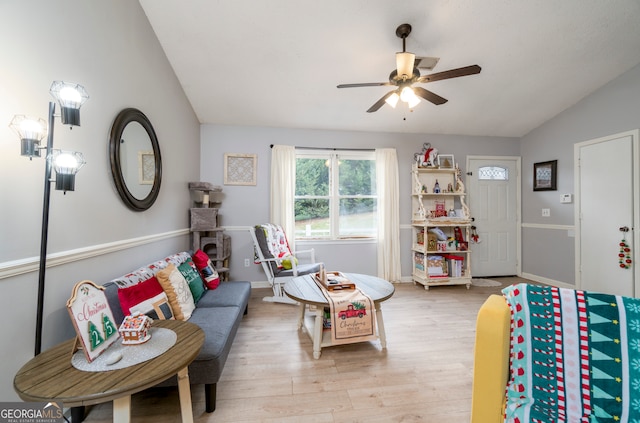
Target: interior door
{"points": [[494, 201], [606, 201]]}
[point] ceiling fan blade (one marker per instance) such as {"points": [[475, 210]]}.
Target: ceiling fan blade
{"points": [[365, 84], [429, 96], [453, 73], [380, 102]]}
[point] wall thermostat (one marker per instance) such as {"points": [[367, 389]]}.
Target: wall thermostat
{"points": [[566, 198]]}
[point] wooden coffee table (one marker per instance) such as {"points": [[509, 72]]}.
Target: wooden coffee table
{"points": [[306, 291], [50, 376]]}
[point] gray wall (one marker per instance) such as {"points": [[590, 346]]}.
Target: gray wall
{"points": [[110, 48], [548, 248], [249, 205]]}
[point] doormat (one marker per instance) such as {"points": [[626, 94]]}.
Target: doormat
{"points": [[484, 282]]}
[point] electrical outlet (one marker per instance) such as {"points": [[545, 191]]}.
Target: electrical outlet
{"points": [[546, 212], [247, 263]]}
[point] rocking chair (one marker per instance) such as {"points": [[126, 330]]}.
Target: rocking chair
{"points": [[278, 262]]}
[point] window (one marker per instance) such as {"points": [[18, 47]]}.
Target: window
{"points": [[335, 195], [493, 173]]}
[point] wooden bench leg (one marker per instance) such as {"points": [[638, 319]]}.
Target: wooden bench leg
{"points": [[210, 397]]}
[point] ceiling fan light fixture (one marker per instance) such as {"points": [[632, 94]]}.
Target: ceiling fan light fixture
{"points": [[409, 96], [392, 100], [413, 102], [404, 64]]}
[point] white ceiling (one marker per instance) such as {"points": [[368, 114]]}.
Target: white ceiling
{"points": [[277, 63]]}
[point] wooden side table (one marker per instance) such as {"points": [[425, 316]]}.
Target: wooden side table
{"points": [[306, 291], [50, 376]]}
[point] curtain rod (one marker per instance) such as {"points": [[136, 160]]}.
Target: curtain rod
{"points": [[332, 148]]}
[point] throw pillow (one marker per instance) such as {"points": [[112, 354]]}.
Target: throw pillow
{"points": [[191, 275], [146, 297], [133, 278], [178, 258], [177, 290], [206, 269]]}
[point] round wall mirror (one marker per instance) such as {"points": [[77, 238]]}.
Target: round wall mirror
{"points": [[136, 165]]}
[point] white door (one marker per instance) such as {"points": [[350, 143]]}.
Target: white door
{"points": [[606, 201], [494, 201]]}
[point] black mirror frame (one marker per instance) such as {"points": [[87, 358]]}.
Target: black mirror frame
{"points": [[125, 117]]}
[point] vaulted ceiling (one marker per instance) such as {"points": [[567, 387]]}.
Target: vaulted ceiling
{"points": [[277, 62]]}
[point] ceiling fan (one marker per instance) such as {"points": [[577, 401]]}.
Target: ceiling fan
{"points": [[406, 74]]}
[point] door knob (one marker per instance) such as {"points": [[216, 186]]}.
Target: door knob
{"points": [[624, 229]]}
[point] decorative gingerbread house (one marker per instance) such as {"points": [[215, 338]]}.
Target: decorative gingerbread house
{"points": [[135, 329]]}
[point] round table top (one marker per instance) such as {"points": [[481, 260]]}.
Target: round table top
{"points": [[306, 290], [51, 376]]}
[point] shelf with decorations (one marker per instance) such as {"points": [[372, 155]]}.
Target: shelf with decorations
{"points": [[440, 227]]}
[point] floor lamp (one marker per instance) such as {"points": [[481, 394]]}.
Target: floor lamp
{"points": [[66, 164]]}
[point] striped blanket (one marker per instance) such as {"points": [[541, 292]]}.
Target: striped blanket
{"points": [[575, 356]]}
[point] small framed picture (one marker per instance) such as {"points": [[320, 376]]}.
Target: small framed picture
{"points": [[146, 167], [445, 161], [240, 169], [544, 176]]}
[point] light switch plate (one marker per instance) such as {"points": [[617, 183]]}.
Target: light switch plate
{"points": [[566, 198], [546, 212]]}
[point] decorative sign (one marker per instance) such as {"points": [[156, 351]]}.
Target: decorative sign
{"points": [[92, 319], [240, 169]]}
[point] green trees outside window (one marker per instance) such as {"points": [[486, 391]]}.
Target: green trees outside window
{"points": [[335, 195]]}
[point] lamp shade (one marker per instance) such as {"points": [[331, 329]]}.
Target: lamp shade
{"points": [[392, 100], [409, 96], [404, 64], [66, 164], [413, 101], [71, 97], [31, 131]]}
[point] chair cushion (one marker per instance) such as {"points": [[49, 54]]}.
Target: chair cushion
{"points": [[273, 243], [303, 269]]}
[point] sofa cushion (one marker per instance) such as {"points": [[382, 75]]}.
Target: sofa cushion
{"points": [[137, 276], [192, 276], [229, 293], [177, 290], [146, 297], [206, 269]]}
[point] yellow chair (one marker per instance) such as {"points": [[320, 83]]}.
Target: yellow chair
{"points": [[491, 361]]}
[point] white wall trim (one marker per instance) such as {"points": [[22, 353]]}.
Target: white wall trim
{"points": [[547, 226], [31, 264]]}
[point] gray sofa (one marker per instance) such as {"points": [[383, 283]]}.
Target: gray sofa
{"points": [[218, 313]]}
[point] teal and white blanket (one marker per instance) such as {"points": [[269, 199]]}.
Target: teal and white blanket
{"points": [[575, 356]]}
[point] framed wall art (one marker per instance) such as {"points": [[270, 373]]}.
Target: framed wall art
{"points": [[445, 161], [146, 167], [240, 169], [544, 176]]}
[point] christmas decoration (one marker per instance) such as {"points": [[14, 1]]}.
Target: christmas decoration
{"points": [[474, 235], [625, 254]]}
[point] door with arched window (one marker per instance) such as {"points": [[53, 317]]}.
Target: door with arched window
{"points": [[493, 185]]}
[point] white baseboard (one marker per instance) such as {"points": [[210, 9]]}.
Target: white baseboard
{"points": [[547, 281]]}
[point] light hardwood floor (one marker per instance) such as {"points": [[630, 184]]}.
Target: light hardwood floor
{"points": [[424, 375]]}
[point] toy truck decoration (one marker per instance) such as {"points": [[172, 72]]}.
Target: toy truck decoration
{"points": [[353, 310]]}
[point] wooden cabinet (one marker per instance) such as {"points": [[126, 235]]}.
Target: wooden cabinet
{"points": [[440, 228]]}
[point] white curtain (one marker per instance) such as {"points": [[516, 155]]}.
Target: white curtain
{"points": [[283, 189], [388, 214]]}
